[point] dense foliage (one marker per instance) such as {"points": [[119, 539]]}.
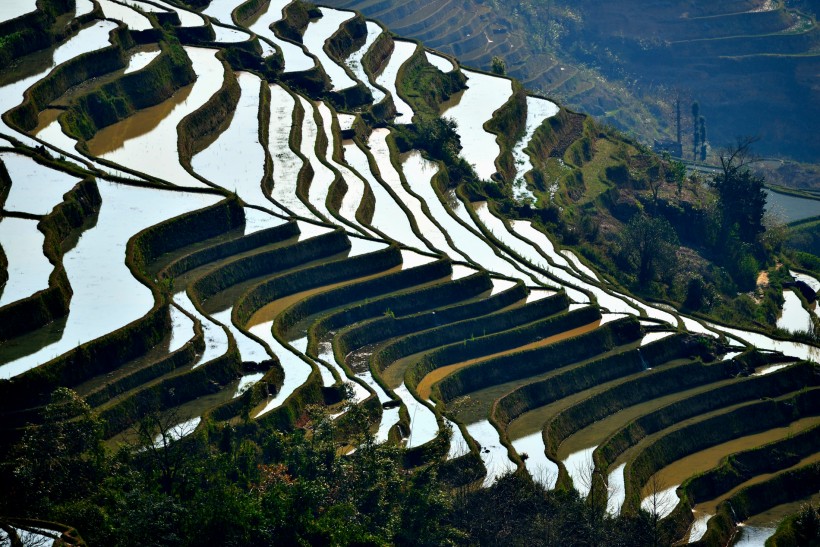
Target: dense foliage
{"points": [[276, 488]]}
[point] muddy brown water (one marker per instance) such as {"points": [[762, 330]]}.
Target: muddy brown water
{"points": [[675, 473], [147, 140], [425, 385]]}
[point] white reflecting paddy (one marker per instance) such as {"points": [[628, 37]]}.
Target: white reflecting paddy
{"points": [[250, 350], [83, 7], [186, 18], [246, 382], [538, 110], [354, 61], [616, 490], [216, 337], [323, 177], [493, 453], [539, 466], [794, 317], [182, 329], [580, 465], [235, 160], [484, 95], [106, 294], [147, 141], [432, 233], [314, 37], [35, 188], [419, 170], [89, 39], [296, 60], [296, 370], [439, 61], [50, 131], [11, 9], [387, 79], [132, 19], [28, 267], [221, 10], [256, 221], [388, 217], [761, 341], [141, 59], [227, 35], [286, 164], [423, 424], [352, 198]]}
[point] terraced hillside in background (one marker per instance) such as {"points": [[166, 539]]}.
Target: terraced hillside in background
{"points": [[219, 215], [752, 64]]}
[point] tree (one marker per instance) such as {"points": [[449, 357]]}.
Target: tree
{"points": [[59, 459], [499, 66], [648, 246], [742, 195]]}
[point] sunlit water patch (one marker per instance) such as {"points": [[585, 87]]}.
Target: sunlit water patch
{"points": [[186, 18], [227, 35], [236, 160], [493, 453], [616, 490], [35, 188], [296, 60], [322, 175], [132, 19], [286, 164], [532, 451], [538, 110], [28, 267], [182, 329], [250, 350], [89, 39], [296, 370], [147, 140], [418, 170], [381, 153], [316, 33], [439, 61], [580, 466], [221, 10], [388, 217], [761, 341], [216, 338], [141, 59], [484, 95], [387, 79], [423, 424], [794, 317], [354, 61], [11, 9], [97, 271]]}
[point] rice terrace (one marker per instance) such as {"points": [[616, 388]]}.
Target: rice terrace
{"points": [[272, 274]]}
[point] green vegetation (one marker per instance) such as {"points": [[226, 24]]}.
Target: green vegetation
{"points": [[253, 485]]}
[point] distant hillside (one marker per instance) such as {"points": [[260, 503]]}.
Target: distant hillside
{"points": [[752, 64]]}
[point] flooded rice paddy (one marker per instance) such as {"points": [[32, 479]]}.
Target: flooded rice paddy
{"points": [[471, 109], [387, 79], [314, 37], [298, 165], [147, 141]]}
